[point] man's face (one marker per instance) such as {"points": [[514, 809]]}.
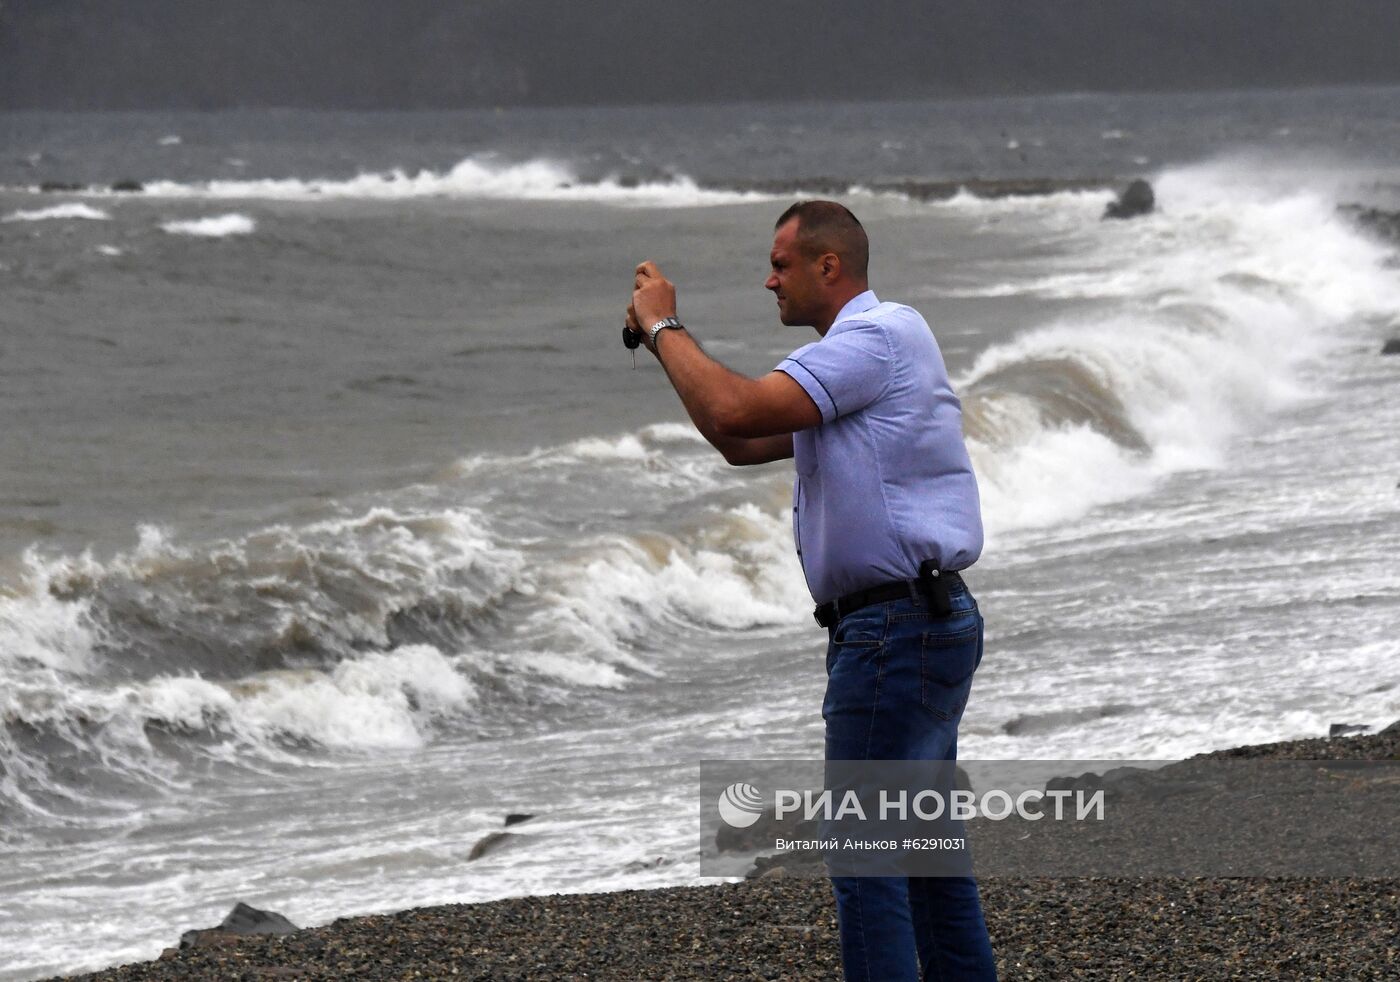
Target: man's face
{"points": [[795, 279]]}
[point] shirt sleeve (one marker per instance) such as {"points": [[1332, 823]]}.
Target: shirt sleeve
{"points": [[842, 372]]}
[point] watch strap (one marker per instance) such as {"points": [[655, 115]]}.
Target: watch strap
{"points": [[660, 326]]}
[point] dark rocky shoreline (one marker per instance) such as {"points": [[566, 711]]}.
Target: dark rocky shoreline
{"points": [[1207, 928]]}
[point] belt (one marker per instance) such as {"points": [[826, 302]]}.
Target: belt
{"points": [[933, 585]]}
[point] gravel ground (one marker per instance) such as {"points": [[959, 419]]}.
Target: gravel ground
{"points": [[785, 928], [1384, 745]]}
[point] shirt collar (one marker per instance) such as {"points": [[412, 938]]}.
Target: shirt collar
{"points": [[858, 304]]}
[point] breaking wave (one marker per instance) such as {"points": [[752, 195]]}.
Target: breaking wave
{"points": [[342, 634], [360, 633], [1203, 316], [474, 177], [213, 227], [71, 209]]}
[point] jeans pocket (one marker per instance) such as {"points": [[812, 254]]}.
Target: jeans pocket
{"points": [[948, 660]]}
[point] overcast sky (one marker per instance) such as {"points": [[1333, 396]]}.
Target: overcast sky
{"points": [[94, 54]]}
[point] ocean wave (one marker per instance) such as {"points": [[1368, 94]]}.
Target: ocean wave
{"points": [[1206, 311], [309, 599], [212, 227], [735, 572], [650, 452], [70, 209], [349, 633], [474, 177], [1076, 202], [74, 751], [375, 700], [485, 176], [1015, 192], [354, 634], [397, 616]]}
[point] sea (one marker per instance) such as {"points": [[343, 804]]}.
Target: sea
{"points": [[336, 523]]}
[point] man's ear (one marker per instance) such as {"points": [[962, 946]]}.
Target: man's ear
{"points": [[830, 267]]}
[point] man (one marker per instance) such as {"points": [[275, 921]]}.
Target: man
{"points": [[885, 512]]}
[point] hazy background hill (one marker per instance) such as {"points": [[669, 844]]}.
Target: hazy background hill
{"points": [[100, 54]]}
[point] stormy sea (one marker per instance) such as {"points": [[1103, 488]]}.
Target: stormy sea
{"points": [[336, 523]]}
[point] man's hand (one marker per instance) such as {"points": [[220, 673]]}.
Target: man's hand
{"points": [[653, 299], [749, 421]]}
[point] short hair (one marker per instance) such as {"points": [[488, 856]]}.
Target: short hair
{"points": [[827, 226]]}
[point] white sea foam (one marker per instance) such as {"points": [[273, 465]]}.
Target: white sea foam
{"points": [[81, 664], [68, 210], [1186, 388], [474, 177], [592, 615], [1071, 208], [649, 449], [571, 668], [737, 573], [625, 447], [672, 433], [38, 629], [213, 227], [1214, 303], [1073, 284], [379, 700]]}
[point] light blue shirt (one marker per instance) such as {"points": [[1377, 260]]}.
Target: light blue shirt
{"points": [[885, 481]]}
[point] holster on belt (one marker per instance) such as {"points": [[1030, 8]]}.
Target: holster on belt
{"points": [[934, 588]]}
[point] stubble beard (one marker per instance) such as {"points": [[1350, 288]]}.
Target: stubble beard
{"points": [[790, 316]]}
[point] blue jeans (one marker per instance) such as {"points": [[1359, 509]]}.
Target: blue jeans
{"points": [[898, 677]]}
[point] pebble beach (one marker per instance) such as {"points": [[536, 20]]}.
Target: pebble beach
{"points": [[784, 927], [1208, 929]]}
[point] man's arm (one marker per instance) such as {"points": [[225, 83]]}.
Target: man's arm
{"points": [[737, 450], [750, 421]]}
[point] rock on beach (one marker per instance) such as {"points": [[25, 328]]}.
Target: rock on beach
{"points": [[243, 920]]}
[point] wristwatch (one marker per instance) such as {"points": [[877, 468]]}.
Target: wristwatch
{"points": [[660, 326]]}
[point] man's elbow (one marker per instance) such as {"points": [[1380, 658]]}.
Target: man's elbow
{"points": [[742, 454]]}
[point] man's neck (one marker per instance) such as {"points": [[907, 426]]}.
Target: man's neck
{"points": [[838, 303]]}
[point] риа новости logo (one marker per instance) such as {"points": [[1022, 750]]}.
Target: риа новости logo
{"points": [[740, 805]]}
